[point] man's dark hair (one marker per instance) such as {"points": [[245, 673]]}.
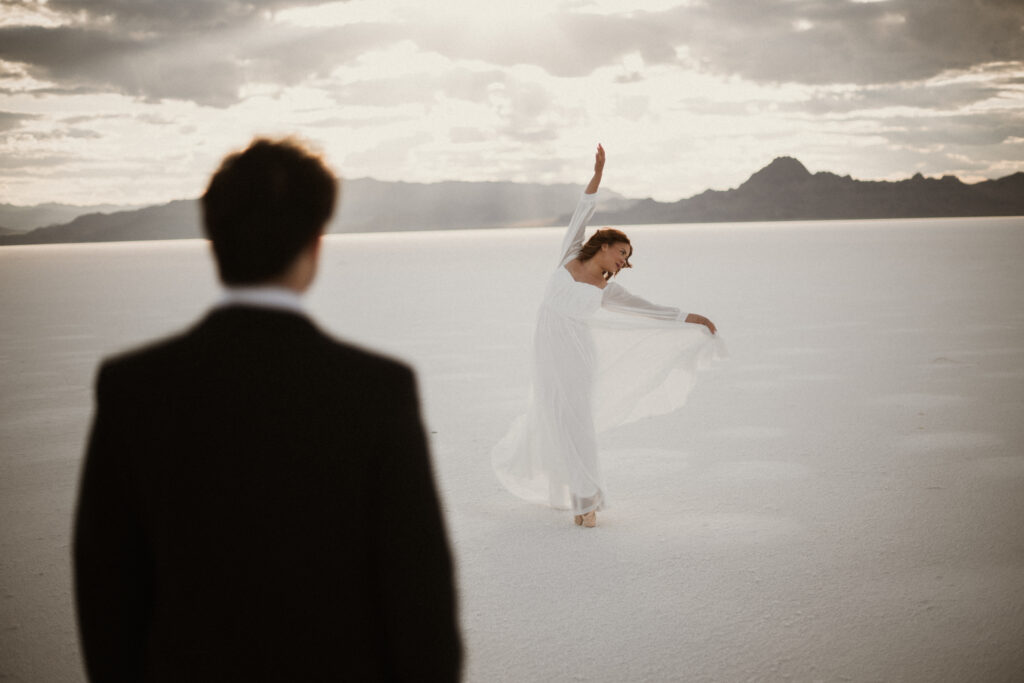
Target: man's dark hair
{"points": [[265, 205]]}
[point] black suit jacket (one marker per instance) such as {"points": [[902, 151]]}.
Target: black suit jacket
{"points": [[257, 503]]}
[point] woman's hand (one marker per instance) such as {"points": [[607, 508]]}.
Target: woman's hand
{"points": [[595, 182], [701, 320]]}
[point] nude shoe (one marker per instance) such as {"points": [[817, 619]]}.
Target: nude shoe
{"points": [[588, 520], [578, 520]]}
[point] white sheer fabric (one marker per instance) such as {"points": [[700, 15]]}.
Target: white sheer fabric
{"points": [[601, 358]]}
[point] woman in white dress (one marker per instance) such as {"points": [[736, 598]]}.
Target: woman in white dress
{"points": [[586, 368]]}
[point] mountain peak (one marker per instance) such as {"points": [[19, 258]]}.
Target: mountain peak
{"points": [[782, 171]]}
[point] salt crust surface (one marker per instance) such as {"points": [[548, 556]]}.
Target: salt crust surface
{"points": [[841, 500]]}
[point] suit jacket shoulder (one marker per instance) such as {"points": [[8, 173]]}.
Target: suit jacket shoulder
{"points": [[260, 339]]}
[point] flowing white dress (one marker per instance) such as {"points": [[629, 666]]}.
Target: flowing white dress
{"points": [[601, 358]]}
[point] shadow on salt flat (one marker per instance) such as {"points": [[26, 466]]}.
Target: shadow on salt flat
{"points": [[799, 351], [841, 325], [459, 376], [725, 527], [778, 382], [73, 337], [947, 441], [628, 456], [1000, 466], [759, 367], [749, 432], [817, 377], [503, 347], [1005, 374], [920, 400], [947, 361], [758, 470], [987, 352], [760, 385]]}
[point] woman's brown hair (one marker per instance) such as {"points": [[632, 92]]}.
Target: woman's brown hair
{"points": [[604, 236]]}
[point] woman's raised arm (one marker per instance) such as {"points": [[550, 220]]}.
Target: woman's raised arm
{"points": [[595, 182], [573, 239]]}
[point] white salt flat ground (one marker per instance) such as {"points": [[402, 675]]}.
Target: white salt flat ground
{"points": [[842, 500]]}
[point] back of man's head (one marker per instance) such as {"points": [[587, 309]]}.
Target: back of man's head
{"points": [[263, 207]]}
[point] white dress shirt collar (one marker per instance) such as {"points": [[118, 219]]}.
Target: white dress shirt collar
{"points": [[264, 296]]}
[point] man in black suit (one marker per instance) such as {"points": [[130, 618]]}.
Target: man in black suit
{"points": [[257, 501]]}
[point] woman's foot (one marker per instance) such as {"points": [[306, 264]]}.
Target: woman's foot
{"points": [[587, 520]]}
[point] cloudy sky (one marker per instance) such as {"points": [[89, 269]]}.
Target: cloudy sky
{"points": [[135, 101]]}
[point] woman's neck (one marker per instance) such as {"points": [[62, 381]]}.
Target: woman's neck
{"points": [[593, 270]]}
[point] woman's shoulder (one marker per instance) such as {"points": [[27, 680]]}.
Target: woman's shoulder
{"points": [[576, 276], [613, 288]]}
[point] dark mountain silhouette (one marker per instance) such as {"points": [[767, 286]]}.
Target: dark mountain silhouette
{"points": [[782, 191], [367, 206], [175, 220], [15, 219], [786, 191]]}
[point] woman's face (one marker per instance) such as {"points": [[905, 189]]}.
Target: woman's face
{"points": [[615, 256]]}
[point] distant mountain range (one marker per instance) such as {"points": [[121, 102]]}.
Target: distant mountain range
{"points": [[367, 206], [18, 219], [784, 190]]}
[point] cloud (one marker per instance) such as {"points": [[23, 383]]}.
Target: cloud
{"points": [[565, 44], [923, 95], [10, 120], [74, 90], [704, 106], [57, 135], [7, 73], [898, 163], [207, 51], [394, 152], [528, 112], [992, 128], [173, 17], [463, 135], [798, 41], [194, 50], [82, 133], [506, 89], [829, 41], [149, 67], [630, 77], [89, 118], [416, 87], [333, 122], [287, 55], [507, 106], [29, 163]]}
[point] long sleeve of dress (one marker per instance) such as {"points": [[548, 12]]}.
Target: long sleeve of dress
{"points": [[617, 298], [573, 239]]}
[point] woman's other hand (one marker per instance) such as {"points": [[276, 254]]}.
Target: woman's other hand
{"points": [[595, 182], [701, 320]]}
